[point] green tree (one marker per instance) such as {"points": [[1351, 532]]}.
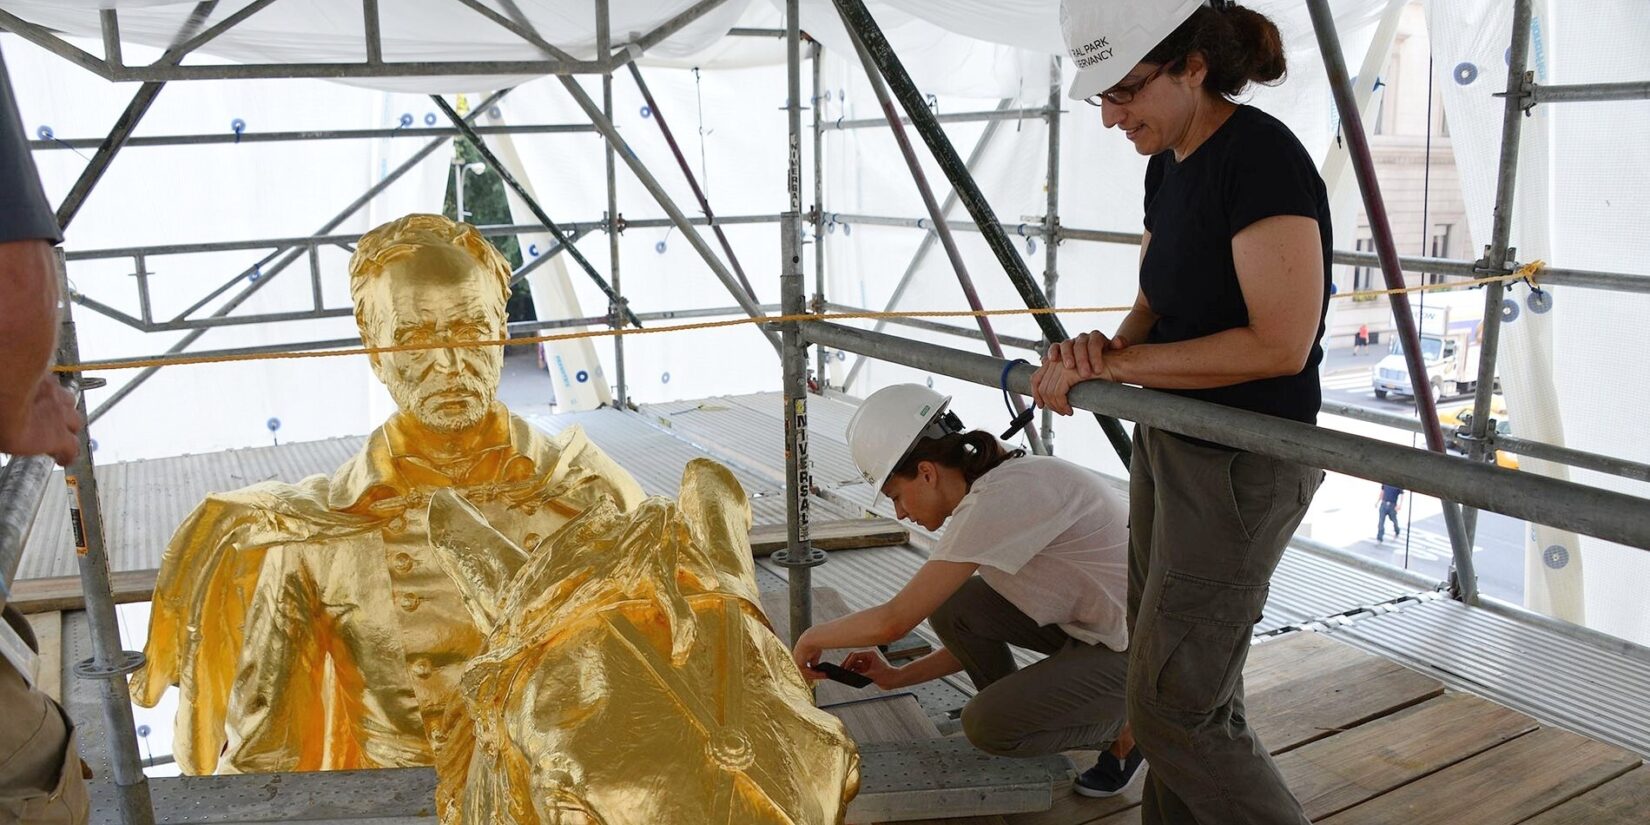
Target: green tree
{"points": [[486, 205]]}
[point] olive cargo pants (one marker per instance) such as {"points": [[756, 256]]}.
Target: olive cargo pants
{"points": [[1208, 525]]}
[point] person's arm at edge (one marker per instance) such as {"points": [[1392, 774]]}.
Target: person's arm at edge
{"points": [[934, 582], [1279, 261]]}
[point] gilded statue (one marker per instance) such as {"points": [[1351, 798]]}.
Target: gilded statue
{"points": [[311, 626], [629, 675]]}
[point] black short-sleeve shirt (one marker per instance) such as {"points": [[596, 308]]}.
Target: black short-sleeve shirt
{"points": [[24, 212], [1251, 168]]}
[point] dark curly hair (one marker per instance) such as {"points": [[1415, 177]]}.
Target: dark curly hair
{"points": [[1241, 46]]}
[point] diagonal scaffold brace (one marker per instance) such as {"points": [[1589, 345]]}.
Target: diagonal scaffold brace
{"points": [[859, 21], [562, 238]]}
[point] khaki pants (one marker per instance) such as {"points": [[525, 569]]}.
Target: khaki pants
{"points": [[1207, 525], [1072, 699], [40, 772]]}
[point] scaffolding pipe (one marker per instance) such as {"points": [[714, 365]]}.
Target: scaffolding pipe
{"points": [[1051, 214], [1363, 164], [660, 196], [532, 205], [859, 22], [286, 137], [959, 117], [799, 556], [133, 114], [395, 174], [693, 180], [1495, 258], [942, 228], [1584, 92], [929, 238], [490, 230], [22, 487], [109, 664], [819, 201], [604, 45], [513, 329], [936, 326], [1604, 514]]}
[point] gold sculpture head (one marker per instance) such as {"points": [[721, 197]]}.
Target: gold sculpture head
{"points": [[425, 279]]}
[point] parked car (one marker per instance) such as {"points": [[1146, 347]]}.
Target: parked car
{"points": [[1458, 416]]}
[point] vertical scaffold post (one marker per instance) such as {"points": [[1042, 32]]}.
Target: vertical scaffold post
{"points": [[1496, 258], [818, 212], [799, 557], [1465, 581], [857, 18], [1051, 217], [109, 664], [604, 46]]}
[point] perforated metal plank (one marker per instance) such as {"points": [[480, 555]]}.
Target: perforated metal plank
{"points": [[1563, 681], [940, 778]]}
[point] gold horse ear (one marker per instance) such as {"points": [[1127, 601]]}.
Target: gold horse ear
{"points": [[713, 501], [479, 559]]}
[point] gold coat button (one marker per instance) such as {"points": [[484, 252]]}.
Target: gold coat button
{"points": [[409, 602], [402, 563]]}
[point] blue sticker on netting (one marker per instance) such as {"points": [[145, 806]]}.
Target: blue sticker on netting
{"points": [[665, 379], [582, 376], [1509, 311], [533, 249], [495, 112], [273, 424], [429, 118], [647, 111], [1540, 301], [44, 132], [1465, 74], [659, 247], [406, 120]]}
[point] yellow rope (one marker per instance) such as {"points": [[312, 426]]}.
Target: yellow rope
{"points": [[1527, 271]]}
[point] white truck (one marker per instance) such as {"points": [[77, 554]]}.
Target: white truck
{"points": [[1451, 326]]}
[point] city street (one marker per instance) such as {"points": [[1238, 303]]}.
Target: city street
{"points": [[1344, 512]]}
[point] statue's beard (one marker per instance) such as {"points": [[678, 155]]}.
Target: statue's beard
{"points": [[451, 406]]}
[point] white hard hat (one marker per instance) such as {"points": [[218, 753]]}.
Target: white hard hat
{"points": [[1106, 38], [888, 424]]}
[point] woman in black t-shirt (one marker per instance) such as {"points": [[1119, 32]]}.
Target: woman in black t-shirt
{"points": [[1233, 288]]}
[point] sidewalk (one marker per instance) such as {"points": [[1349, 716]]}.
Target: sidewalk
{"points": [[1338, 358]]}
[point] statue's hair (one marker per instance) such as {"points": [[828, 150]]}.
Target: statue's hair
{"points": [[404, 236]]}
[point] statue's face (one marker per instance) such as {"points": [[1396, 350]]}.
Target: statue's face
{"points": [[437, 295]]}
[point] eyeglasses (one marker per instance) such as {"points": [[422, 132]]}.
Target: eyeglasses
{"points": [[1122, 93]]}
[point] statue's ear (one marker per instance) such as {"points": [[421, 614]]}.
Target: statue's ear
{"points": [[479, 559]]}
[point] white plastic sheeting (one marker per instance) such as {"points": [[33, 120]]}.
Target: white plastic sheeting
{"points": [[195, 194], [1573, 375]]}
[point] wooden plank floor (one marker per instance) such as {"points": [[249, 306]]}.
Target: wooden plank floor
{"points": [[1363, 741]]}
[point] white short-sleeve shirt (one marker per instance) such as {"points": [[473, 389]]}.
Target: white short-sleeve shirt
{"points": [[1052, 538]]}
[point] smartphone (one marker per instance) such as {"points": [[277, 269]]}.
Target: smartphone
{"points": [[838, 673]]}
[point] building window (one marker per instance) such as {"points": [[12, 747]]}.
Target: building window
{"points": [[1363, 277], [1439, 248]]}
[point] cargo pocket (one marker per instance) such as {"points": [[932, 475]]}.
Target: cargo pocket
{"points": [[1199, 641], [66, 804]]}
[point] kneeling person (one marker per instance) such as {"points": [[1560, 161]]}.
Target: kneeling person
{"points": [[1035, 556]]}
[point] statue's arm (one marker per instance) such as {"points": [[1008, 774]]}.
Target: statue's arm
{"points": [[276, 714]]}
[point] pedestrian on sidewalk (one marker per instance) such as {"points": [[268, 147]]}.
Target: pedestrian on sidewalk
{"points": [[1034, 554], [1390, 501], [1360, 342]]}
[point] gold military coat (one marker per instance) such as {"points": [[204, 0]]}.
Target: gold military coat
{"points": [[309, 627]]}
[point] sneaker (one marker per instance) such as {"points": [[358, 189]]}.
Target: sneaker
{"points": [[1111, 776]]}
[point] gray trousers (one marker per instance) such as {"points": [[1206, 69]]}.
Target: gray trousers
{"points": [[1072, 699], [1207, 527]]}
